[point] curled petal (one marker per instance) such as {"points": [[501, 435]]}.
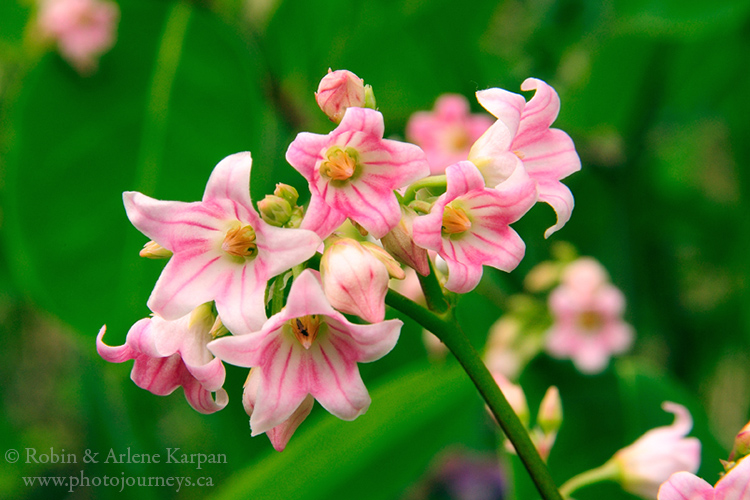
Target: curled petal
{"points": [[505, 106], [539, 113]]}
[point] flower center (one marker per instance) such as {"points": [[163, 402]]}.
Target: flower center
{"points": [[458, 140], [306, 329], [340, 165], [240, 241], [590, 320], [455, 221]]}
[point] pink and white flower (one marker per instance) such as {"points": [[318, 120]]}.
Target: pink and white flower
{"points": [[447, 133], [223, 251], [170, 354], [587, 313], [659, 453], [282, 433], [353, 173], [83, 29], [735, 485], [308, 348], [468, 225], [522, 138]]}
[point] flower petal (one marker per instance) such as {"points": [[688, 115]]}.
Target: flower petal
{"points": [[281, 434], [505, 106], [305, 151], [335, 381], [685, 486], [283, 248], [365, 343], [202, 399], [558, 196], [230, 180], [735, 485], [321, 217], [540, 112]]}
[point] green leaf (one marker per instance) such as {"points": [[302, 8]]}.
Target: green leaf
{"points": [[178, 92], [377, 455]]}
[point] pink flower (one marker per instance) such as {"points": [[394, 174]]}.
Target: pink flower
{"points": [[587, 313], [354, 280], [222, 249], [468, 225], [83, 29], [658, 454], [308, 348], [447, 133], [735, 485], [282, 433], [169, 354], [522, 137], [353, 172], [339, 90]]}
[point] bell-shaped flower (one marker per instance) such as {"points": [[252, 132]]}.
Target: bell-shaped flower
{"points": [[468, 224], [282, 433], [522, 138], [659, 453], [587, 314], [83, 29], [446, 133], [354, 280], [223, 251], [170, 354], [308, 348], [734, 485], [353, 173]]}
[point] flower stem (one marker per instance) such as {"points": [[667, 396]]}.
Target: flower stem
{"points": [[449, 331], [606, 472], [439, 181], [433, 292]]}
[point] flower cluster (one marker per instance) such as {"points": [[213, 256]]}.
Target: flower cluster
{"points": [[248, 288]]}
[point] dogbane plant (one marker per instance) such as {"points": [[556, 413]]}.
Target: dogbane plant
{"points": [[253, 290]]}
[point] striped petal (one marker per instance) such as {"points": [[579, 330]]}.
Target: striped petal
{"points": [[685, 486], [335, 381]]}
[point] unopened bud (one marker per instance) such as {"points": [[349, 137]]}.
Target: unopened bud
{"points": [[204, 315], [400, 242], [152, 250], [370, 98], [287, 192], [515, 396], [550, 414], [218, 329], [741, 443], [393, 267], [339, 90], [275, 210]]}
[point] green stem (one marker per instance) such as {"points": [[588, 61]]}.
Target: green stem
{"points": [[439, 181], [433, 292], [454, 338], [606, 472]]}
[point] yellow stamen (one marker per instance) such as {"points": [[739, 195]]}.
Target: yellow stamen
{"points": [[455, 221], [306, 329], [340, 165], [240, 241]]}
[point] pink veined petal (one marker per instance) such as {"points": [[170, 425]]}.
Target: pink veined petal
{"points": [[501, 247], [307, 297], [335, 381], [230, 180], [506, 106], [426, 228], [409, 165], [540, 112], [735, 485], [371, 342], [160, 376], [305, 152], [202, 399], [321, 217], [462, 177], [284, 248], [245, 350], [685, 486], [364, 120], [115, 354], [552, 156], [209, 375], [282, 433], [463, 274], [173, 224], [283, 384], [240, 298], [188, 280], [377, 212], [558, 196]]}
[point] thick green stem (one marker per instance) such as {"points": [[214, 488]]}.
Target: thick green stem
{"points": [[454, 338], [433, 292], [428, 182]]}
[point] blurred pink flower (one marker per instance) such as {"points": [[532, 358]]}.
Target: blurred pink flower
{"points": [[353, 173], [447, 133], [169, 354], [308, 348], [587, 314], [83, 29], [735, 485], [522, 138], [282, 433], [223, 251], [469, 225], [659, 453]]}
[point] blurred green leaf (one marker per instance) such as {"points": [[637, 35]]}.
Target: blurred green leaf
{"points": [[178, 92], [376, 456]]}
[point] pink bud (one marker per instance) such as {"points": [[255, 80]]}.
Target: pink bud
{"points": [[550, 414], [400, 242], [339, 90], [354, 280]]}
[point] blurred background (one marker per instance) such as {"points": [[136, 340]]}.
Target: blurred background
{"points": [[655, 94]]}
